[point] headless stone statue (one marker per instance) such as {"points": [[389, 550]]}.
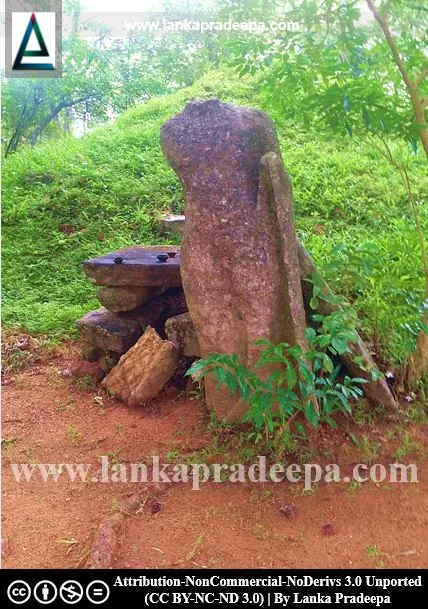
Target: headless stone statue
{"points": [[242, 268], [239, 261]]}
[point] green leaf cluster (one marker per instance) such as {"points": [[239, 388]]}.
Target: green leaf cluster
{"points": [[293, 381]]}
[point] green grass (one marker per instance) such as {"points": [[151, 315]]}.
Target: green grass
{"points": [[67, 200]]}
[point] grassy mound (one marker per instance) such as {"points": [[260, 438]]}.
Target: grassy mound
{"points": [[72, 199]]}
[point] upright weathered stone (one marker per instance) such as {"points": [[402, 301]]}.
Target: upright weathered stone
{"points": [[143, 371], [238, 244]]}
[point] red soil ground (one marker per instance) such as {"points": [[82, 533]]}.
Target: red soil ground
{"points": [[49, 418]]}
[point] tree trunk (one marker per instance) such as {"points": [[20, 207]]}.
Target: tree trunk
{"points": [[44, 123], [55, 110]]}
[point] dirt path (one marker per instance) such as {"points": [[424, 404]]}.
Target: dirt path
{"points": [[48, 418]]}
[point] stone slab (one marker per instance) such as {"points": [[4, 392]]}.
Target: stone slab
{"points": [[173, 224], [119, 299], [139, 267], [106, 330], [118, 332]]}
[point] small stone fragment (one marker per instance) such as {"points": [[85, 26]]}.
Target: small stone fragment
{"points": [[289, 509], [4, 548], [181, 331], [156, 507], [91, 354], [327, 529], [406, 553], [144, 370], [171, 224], [171, 392], [109, 361], [83, 369]]}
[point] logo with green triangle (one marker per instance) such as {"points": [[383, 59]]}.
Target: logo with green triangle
{"points": [[18, 64]]}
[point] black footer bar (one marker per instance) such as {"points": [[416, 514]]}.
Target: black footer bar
{"points": [[211, 587]]}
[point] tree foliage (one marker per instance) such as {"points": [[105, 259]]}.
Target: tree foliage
{"points": [[101, 77], [351, 72], [337, 72]]}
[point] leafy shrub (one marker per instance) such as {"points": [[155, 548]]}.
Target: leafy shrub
{"points": [[299, 382]]}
